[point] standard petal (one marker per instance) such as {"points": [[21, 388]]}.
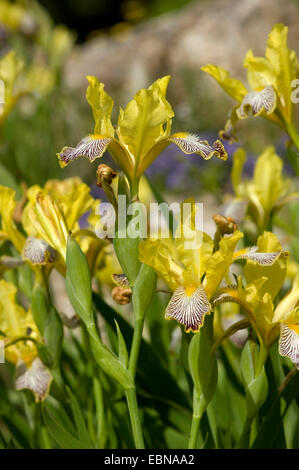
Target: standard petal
{"points": [[287, 309], [91, 147], [191, 143], [188, 309], [288, 344], [162, 257], [102, 105], [275, 272], [220, 261], [257, 102]]}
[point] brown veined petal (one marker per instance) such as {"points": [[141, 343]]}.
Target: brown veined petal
{"points": [[188, 308], [263, 259], [37, 251], [36, 378], [288, 344], [91, 147], [191, 143], [257, 102]]}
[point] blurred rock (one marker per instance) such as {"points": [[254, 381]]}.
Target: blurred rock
{"points": [[217, 32]]}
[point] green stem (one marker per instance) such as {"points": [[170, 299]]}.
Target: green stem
{"points": [[134, 186], [135, 348], [293, 134], [262, 357], [134, 417], [196, 416], [131, 394]]}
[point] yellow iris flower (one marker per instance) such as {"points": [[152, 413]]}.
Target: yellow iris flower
{"points": [[258, 296], [15, 322], [18, 81], [270, 80], [142, 132], [9, 229], [49, 215], [195, 274], [54, 210], [267, 191]]}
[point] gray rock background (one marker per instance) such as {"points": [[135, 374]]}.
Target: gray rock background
{"points": [[217, 32]]}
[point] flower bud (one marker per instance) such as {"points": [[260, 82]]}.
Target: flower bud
{"points": [[105, 174], [226, 225], [49, 221], [122, 295]]}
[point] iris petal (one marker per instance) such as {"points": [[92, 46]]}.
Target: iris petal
{"points": [[89, 147], [263, 259], [36, 378], [189, 310], [289, 342], [191, 143], [257, 102]]}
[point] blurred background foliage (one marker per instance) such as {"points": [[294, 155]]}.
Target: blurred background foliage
{"points": [[89, 17]]}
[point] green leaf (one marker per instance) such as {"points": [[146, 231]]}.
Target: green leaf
{"points": [[143, 290], [79, 421], [102, 431], [203, 364], [2, 442], [126, 250], [151, 375], [293, 157], [40, 307], [78, 282], [64, 439], [53, 334], [270, 428], [255, 382], [122, 349]]}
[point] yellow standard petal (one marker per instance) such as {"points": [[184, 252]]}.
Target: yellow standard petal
{"points": [[260, 71], [9, 230], [15, 322], [285, 63], [268, 182], [276, 264], [219, 262], [287, 309], [161, 256], [102, 105], [141, 123]]}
